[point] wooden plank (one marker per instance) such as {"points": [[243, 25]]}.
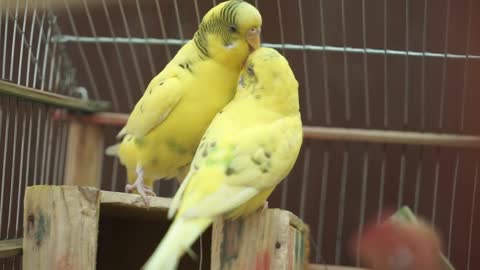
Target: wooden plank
{"points": [[268, 239], [60, 227], [11, 247], [84, 155], [12, 89], [83, 228], [331, 133]]}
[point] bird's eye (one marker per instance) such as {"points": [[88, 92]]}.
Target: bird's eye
{"points": [[250, 71], [232, 28]]}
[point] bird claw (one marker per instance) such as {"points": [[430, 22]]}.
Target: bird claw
{"points": [[142, 190]]}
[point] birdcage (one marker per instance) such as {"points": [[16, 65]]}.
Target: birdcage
{"points": [[389, 100]]}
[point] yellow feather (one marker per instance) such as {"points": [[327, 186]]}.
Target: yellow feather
{"points": [[112, 150], [250, 146]]}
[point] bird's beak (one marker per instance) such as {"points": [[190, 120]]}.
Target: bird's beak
{"points": [[253, 38]]}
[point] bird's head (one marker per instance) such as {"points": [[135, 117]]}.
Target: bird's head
{"points": [[229, 32], [267, 76]]}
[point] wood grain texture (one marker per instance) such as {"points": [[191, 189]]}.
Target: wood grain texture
{"points": [[11, 247], [84, 155], [269, 239], [61, 225], [83, 228]]}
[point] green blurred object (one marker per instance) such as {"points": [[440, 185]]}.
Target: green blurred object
{"points": [[406, 215]]}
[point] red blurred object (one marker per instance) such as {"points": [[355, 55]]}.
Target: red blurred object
{"points": [[391, 245]]}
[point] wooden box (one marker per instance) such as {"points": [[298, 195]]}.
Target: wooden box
{"points": [[83, 228]]}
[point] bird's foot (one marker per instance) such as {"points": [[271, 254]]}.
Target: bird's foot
{"points": [[143, 190]]}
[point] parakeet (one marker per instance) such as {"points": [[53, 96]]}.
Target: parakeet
{"points": [[392, 245], [250, 146], [167, 123]]}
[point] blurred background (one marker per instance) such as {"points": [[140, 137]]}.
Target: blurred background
{"points": [[378, 64]]}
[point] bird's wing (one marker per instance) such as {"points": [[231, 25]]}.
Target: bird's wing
{"points": [[159, 99], [177, 198], [233, 170]]}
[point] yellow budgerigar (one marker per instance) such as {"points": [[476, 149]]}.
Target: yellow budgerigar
{"points": [[250, 146], [167, 123]]}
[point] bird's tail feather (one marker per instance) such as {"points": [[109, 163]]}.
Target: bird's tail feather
{"points": [[112, 150], [121, 134], [180, 237]]}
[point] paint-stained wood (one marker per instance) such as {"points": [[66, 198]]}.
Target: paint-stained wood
{"points": [[84, 155], [60, 227], [269, 239], [11, 247], [83, 228]]}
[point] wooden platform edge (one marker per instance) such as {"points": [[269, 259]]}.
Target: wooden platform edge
{"points": [[10, 247], [132, 200]]}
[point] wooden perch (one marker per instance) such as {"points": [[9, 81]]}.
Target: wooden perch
{"points": [[324, 133], [390, 137], [10, 248], [12, 89]]}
